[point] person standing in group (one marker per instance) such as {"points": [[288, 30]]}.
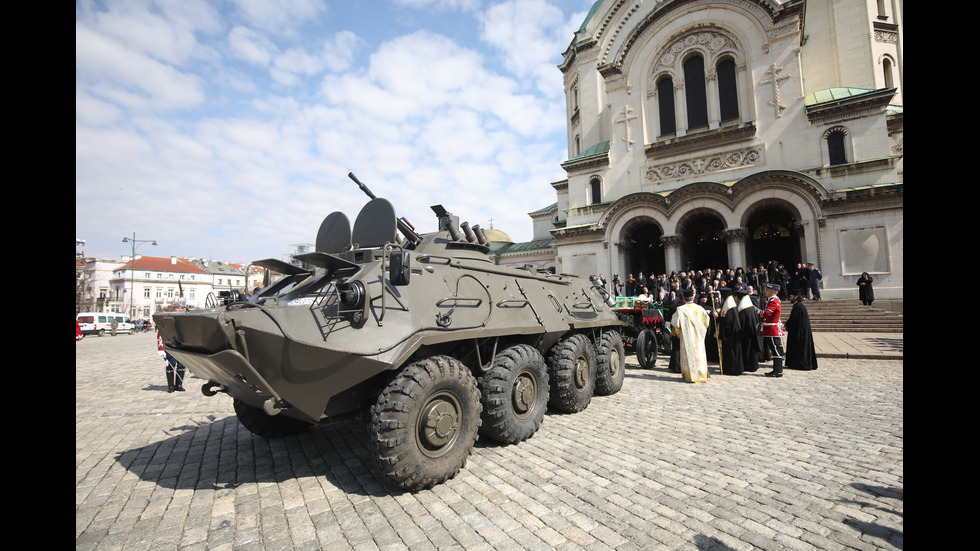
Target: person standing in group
{"points": [[815, 278], [865, 291], [175, 369], [727, 331], [748, 319], [690, 321], [114, 325], [800, 350], [771, 331]]}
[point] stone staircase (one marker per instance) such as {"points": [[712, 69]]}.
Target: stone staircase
{"points": [[848, 316]]}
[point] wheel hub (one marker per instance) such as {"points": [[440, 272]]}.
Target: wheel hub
{"points": [[524, 394], [581, 372], [439, 424]]}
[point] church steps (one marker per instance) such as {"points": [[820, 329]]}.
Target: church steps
{"points": [[847, 316]]}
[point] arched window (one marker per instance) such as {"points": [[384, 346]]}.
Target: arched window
{"points": [[665, 95], [595, 190], [727, 90], [695, 92], [836, 146], [886, 66]]}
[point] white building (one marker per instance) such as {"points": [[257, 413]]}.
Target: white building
{"points": [[146, 285], [726, 133]]}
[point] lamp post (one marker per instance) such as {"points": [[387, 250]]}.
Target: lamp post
{"points": [[132, 268]]}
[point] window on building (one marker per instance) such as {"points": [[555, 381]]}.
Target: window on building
{"points": [[595, 190], [886, 66], [159, 293], [836, 146], [146, 292], [695, 92], [665, 97], [727, 90]]}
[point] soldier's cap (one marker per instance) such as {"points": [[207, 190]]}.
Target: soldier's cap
{"points": [[773, 286], [809, 263]]}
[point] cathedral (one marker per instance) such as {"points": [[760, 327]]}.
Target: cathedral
{"points": [[730, 133]]}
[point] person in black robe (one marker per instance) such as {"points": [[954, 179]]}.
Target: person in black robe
{"points": [[729, 335], [800, 351], [710, 342], [674, 364], [748, 319]]}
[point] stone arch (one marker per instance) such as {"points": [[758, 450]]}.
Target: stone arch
{"points": [[783, 197]]}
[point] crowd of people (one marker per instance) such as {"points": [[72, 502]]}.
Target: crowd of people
{"points": [[667, 290], [730, 316]]}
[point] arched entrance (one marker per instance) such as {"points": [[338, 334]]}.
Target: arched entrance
{"points": [[772, 237], [704, 244], [645, 249]]}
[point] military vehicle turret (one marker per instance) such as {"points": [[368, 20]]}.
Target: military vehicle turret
{"points": [[422, 334]]}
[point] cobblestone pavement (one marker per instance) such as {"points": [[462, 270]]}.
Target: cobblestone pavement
{"points": [[810, 461]]}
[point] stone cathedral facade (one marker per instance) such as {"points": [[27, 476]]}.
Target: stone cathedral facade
{"points": [[727, 133]]}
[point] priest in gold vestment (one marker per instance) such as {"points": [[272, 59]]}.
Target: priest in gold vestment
{"points": [[690, 324]]}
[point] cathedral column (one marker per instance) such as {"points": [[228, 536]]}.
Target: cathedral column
{"points": [[680, 108], [672, 252], [714, 102], [735, 238]]}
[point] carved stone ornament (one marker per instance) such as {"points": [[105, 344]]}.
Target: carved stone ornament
{"points": [[704, 165]]}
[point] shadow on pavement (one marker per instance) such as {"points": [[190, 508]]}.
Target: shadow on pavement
{"points": [[221, 454]]}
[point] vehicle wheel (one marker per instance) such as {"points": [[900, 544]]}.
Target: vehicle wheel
{"points": [[101, 332], [132, 331], [571, 371], [514, 393], [646, 349], [610, 362], [425, 422], [257, 421]]}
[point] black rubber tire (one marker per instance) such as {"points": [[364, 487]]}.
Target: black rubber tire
{"points": [[572, 373], [514, 394], [101, 332], [646, 349], [257, 421], [610, 363], [425, 422]]}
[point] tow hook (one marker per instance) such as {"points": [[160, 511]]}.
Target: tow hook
{"points": [[273, 406], [211, 388]]}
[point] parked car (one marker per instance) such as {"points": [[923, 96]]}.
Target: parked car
{"points": [[98, 323]]}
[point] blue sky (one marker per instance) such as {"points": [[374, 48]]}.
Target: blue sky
{"points": [[225, 129]]}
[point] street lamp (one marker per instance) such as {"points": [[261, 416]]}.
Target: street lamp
{"points": [[132, 268]]}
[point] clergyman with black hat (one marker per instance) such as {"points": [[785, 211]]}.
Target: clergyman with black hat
{"points": [[729, 335], [772, 333], [748, 319], [690, 322]]}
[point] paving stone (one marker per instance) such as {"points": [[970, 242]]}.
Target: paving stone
{"points": [[810, 461]]}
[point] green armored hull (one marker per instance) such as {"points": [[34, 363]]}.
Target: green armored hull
{"points": [[421, 334]]}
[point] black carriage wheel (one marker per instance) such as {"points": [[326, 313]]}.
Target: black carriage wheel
{"points": [[571, 370], [425, 422], [514, 393], [610, 360], [646, 349]]}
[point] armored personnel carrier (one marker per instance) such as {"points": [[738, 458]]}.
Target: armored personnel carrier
{"points": [[423, 335]]}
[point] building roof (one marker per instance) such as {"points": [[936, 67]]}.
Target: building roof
{"points": [[834, 94], [158, 264], [527, 246]]}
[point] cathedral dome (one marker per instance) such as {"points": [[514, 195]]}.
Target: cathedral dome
{"points": [[496, 236]]}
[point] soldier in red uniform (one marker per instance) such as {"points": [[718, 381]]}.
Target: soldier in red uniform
{"points": [[772, 330]]}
